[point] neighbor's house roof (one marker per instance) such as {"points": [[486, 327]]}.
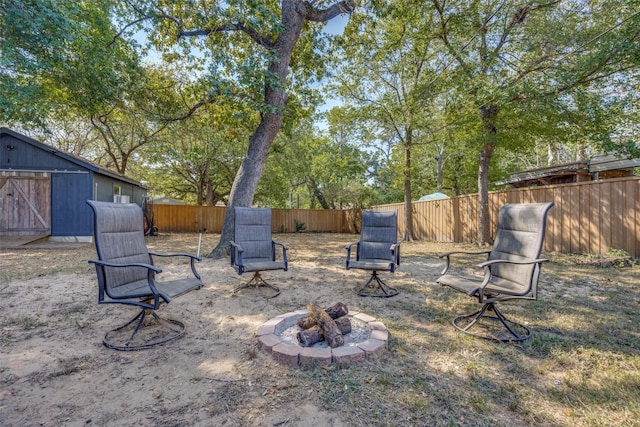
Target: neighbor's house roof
{"points": [[83, 163], [584, 170]]}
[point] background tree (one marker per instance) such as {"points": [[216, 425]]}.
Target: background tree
{"points": [[249, 50], [323, 170], [195, 160], [385, 66], [518, 62], [59, 56]]}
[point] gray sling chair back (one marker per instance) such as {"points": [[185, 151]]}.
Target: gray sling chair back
{"points": [[127, 275], [253, 248], [511, 271], [377, 250]]}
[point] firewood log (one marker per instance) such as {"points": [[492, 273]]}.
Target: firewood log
{"points": [[335, 311], [330, 330], [314, 334]]}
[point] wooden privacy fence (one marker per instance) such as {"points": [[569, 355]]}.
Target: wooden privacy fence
{"points": [[188, 218], [588, 217]]}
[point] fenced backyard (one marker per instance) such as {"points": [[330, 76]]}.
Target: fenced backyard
{"points": [[589, 217]]}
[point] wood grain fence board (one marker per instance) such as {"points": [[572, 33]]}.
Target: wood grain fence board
{"points": [[565, 222], [636, 193], [595, 230], [605, 217], [574, 224], [618, 216], [584, 218], [548, 195], [629, 216]]}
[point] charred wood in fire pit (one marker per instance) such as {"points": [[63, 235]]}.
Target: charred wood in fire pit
{"points": [[314, 334], [335, 311], [330, 330]]}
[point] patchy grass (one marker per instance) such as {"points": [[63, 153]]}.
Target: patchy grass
{"points": [[581, 368]]}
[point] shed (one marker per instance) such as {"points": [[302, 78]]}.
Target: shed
{"points": [[43, 191]]}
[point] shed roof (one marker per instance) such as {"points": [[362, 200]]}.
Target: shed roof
{"points": [[83, 163]]}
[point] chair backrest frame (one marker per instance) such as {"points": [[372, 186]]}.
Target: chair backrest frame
{"points": [[519, 237], [252, 231], [118, 230], [379, 231]]}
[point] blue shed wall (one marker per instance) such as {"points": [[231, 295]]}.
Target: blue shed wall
{"points": [[70, 214]]}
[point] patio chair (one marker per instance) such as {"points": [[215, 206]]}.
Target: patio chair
{"points": [[511, 271], [127, 275], [377, 250], [253, 248]]}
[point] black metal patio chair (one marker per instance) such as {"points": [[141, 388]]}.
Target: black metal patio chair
{"points": [[127, 275], [511, 271], [377, 250], [254, 250]]}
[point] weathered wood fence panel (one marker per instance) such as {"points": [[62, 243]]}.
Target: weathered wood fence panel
{"points": [[592, 217], [189, 218]]}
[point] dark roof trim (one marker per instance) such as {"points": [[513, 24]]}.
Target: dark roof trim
{"points": [[70, 158]]}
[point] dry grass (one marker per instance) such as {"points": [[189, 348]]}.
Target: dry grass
{"points": [[582, 367]]}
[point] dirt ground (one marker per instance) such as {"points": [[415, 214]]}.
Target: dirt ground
{"points": [[55, 371]]}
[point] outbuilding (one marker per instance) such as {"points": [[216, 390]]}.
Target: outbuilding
{"points": [[43, 191]]}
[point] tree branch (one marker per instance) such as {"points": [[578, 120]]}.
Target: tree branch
{"points": [[228, 26], [311, 13]]}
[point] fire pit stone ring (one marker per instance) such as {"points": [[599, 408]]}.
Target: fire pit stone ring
{"points": [[277, 336]]}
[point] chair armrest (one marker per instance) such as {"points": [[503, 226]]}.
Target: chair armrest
{"points": [[508, 261], [487, 272], [348, 248], [151, 272], [395, 252], [192, 259], [284, 252], [447, 255], [285, 247], [135, 264], [172, 255], [236, 254]]}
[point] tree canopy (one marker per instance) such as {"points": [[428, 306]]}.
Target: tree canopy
{"points": [[217, 101]]}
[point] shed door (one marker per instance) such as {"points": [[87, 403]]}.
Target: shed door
{"points": [[25, 205]]}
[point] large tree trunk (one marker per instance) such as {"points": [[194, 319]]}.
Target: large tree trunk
{"points": [[488, 116], [294, 13]]}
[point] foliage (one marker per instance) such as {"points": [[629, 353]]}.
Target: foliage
{"points": [[60, 55], [195, 160], [318, 171]]}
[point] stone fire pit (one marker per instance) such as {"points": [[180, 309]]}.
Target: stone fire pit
{"points": [[367, 341]]}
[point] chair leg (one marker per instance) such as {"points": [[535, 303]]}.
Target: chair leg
{"points": [[478, 316], [151, 331], [258, 282], [387, 291]]}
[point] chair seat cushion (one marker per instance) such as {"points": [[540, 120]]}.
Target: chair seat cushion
{"points": [[372, 264], [258, 264], [140, 288], [467, 284]]}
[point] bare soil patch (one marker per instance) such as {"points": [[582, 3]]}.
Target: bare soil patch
{"points": [[55, 371]]}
